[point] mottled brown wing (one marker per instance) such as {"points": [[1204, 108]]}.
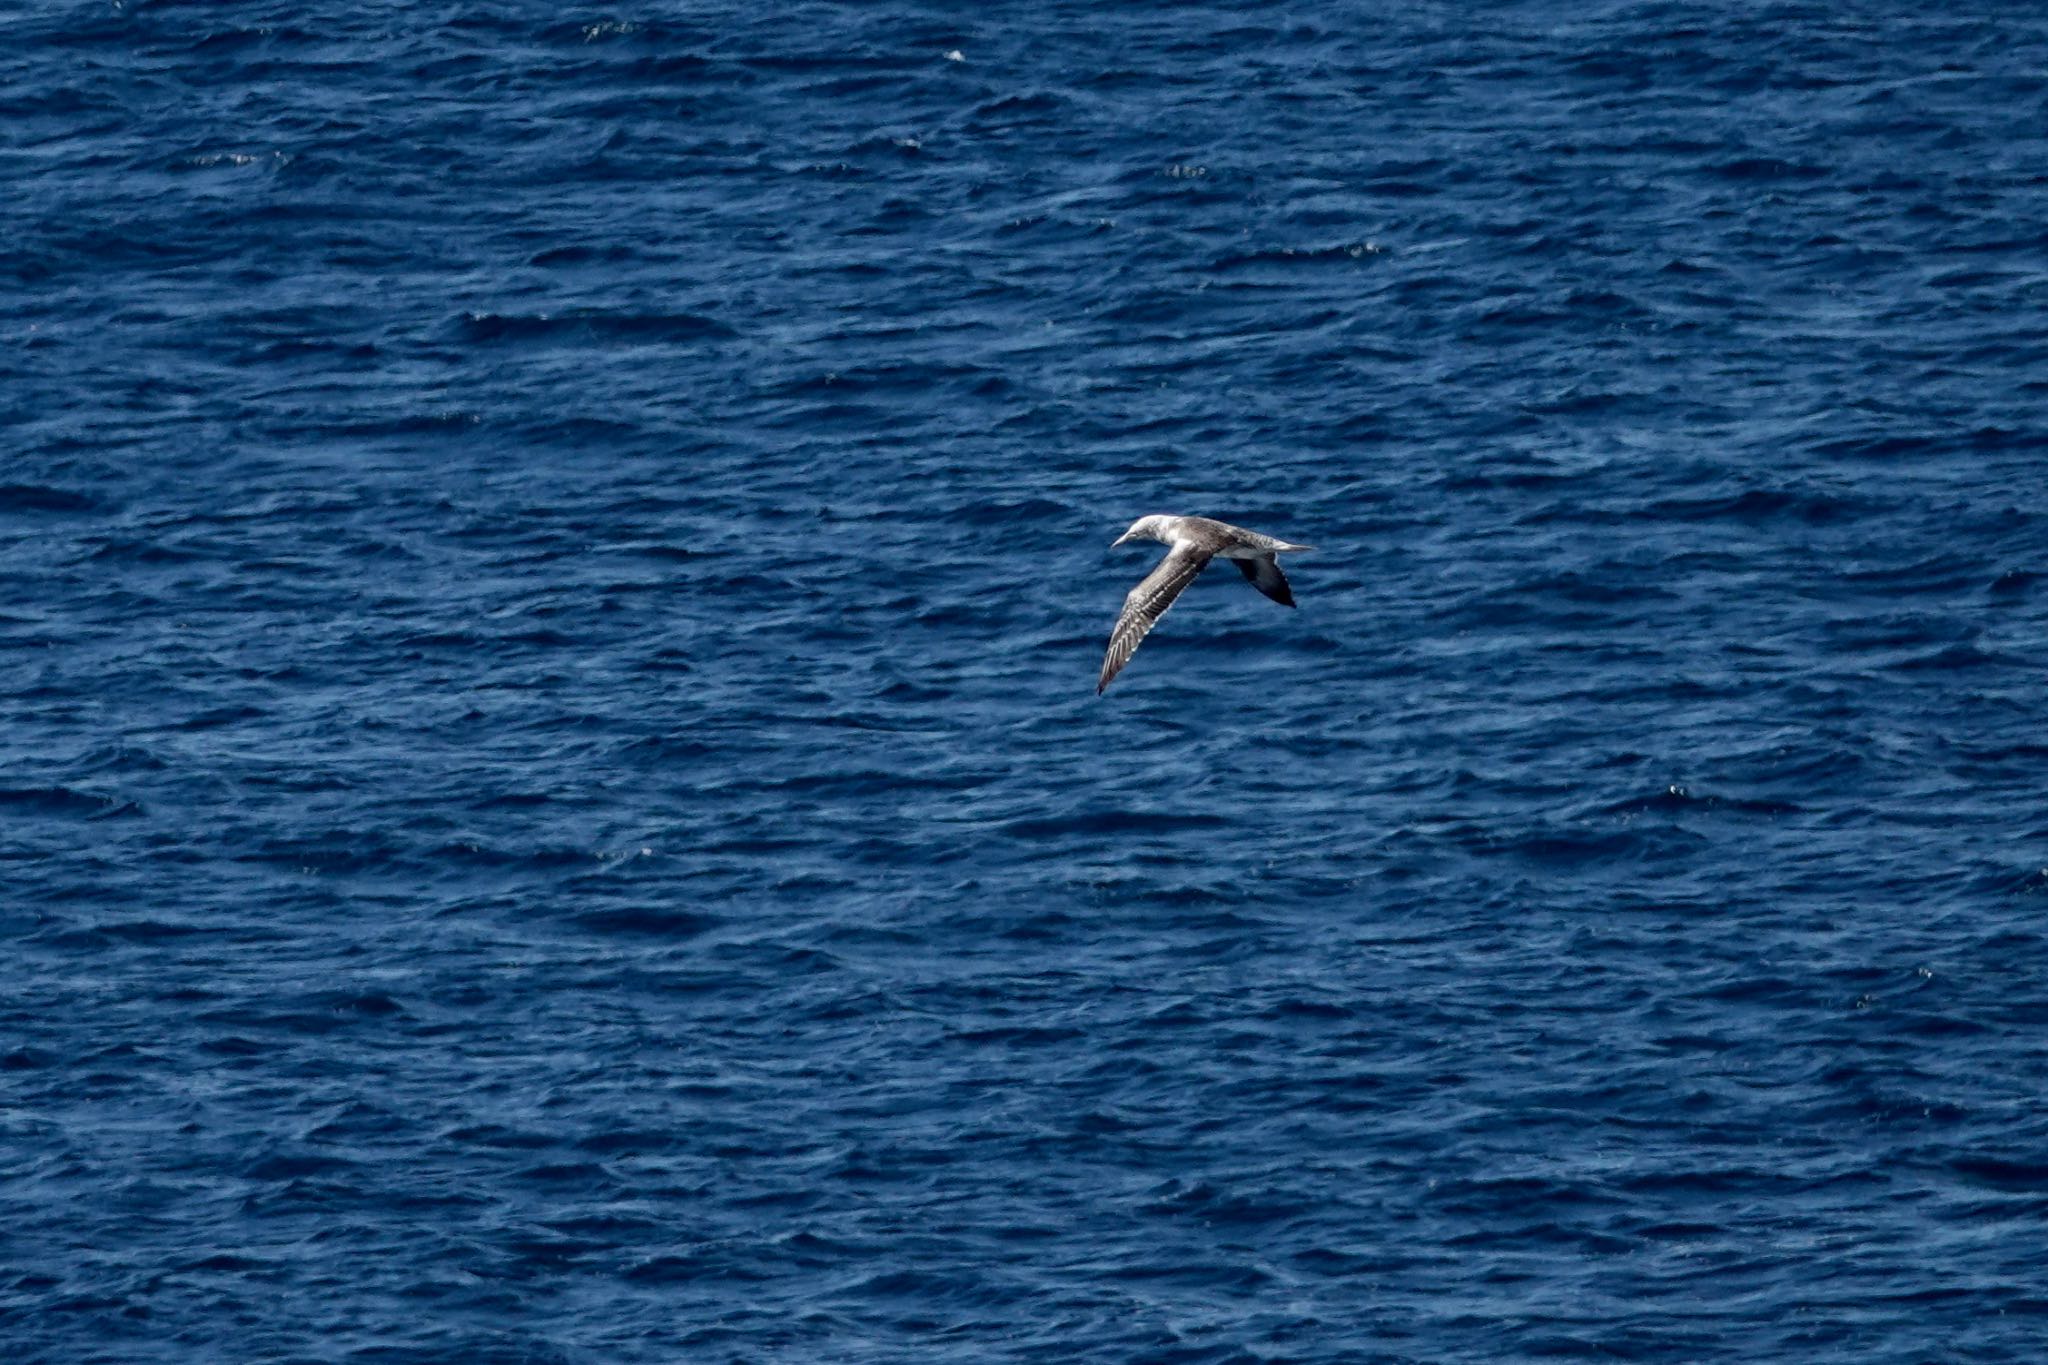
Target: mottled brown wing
{"points": [[1146, 604], [1264, 573]]}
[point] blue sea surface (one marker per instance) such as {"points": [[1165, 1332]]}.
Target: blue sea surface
{"points": [[553, 806]]}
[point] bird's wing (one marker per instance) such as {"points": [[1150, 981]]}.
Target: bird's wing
{"points": [[1264, 573], [1146, 604]]}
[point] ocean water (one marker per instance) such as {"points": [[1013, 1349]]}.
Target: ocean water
{"points": [[553, 806]]}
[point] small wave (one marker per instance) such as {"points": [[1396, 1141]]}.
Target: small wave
{"points": [[1675, 799], [1300, 255]]}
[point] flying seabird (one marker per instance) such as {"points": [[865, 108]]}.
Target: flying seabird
{"points": [[1194, 541]]}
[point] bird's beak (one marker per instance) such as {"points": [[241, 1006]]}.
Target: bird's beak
{"points": [[1120, 540]]}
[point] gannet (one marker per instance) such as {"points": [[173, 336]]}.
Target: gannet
{"points": [[1194, 541]]}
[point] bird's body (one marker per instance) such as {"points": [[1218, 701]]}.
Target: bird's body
{"points": [[1192, 542]]}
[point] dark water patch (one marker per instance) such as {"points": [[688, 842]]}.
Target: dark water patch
{"points": [[15, 497], [2013, 583], [661, 922], [679, 1268], [870, 781], [369, 1004], [1011, 513], [2002, 1174], [1941, 573], [151, 930], [295, 1166], [1880, 447], [217, 717], [588, 1175], [502, 1138], [617, 328], [322, 1015], [1756, 505], [1766, 169], [130, 551], [1214, 1206], [464, 853], [512, 801], [235, 1046], [666, 553], [336, 852], [1958, 657], [1109, 822], [60, 801], [1016, 1036]]}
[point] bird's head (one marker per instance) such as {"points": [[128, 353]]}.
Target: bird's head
{"points": [[1144, 528]]}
